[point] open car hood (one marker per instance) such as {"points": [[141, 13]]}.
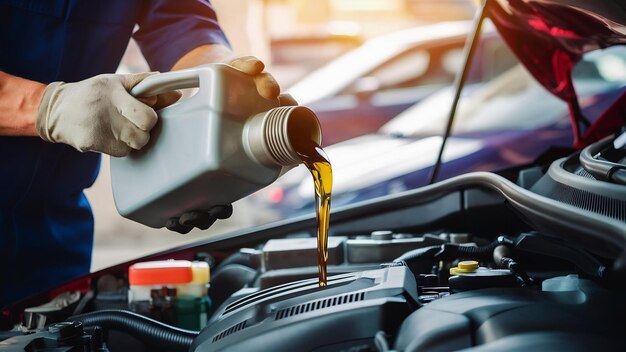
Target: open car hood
{"points": [[551, 36]]}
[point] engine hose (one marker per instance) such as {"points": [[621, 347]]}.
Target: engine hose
{"points": [[421, 259], [619, 176], [424, 252], [516, 270], [477, 253], [483, 253], [147, 330]]}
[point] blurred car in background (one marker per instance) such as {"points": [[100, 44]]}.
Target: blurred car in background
{"points": [[363, 89], [437, 10], [510, 121], [294, 56]]}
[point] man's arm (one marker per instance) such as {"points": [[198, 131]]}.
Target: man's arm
{"points": [[19, 101], [208, 53], [96, 114], [217, 53]]}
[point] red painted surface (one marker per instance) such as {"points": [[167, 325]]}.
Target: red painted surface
{"points": [[550, 37]]}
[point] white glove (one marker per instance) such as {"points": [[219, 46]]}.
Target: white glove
{"points": [[99, 114]]}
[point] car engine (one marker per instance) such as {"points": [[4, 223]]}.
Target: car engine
{"points": [[475, 263]]}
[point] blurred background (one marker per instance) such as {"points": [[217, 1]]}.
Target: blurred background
{"points": [[293, 37], [378, 74]]}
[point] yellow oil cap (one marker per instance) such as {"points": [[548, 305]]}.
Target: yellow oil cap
{"points": [[454, 271], [465, 267], [468, 265]]}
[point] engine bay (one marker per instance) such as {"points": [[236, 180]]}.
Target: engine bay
{"points": [[476, 263]]}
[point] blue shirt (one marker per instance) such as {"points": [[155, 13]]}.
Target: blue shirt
{"points": [[46, 225]]}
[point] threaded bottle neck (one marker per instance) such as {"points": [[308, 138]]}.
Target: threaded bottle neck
{"points": [[268, 136], [276, 136]]}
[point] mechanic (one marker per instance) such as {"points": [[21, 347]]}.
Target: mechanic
{"points": [[51, 132]]}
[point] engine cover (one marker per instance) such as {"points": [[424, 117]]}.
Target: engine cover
{"points": [[584, 318], [300, 316]]}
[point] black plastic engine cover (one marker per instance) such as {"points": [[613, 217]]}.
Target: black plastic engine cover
{"points": [[518, 319], [301, 316]]}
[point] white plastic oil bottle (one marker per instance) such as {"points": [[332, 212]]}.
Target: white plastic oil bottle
{"points": [[216, 147]]}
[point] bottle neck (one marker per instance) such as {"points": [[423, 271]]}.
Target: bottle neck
{"points": [[268, 136]]}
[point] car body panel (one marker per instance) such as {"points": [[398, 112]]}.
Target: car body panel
{"points": [[550, 37], [362, 90]]}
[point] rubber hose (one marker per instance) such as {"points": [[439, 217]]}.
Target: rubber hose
{"points": [[419, 253], [619, 176], [380, 341], [147, 330], [499, 253], [449, 252], [241, 258], [484, 252]]}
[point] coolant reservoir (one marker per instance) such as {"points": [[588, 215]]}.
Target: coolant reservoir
{"points": [[173, 291], [216, 147]]}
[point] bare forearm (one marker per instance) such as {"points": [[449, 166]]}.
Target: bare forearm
{"points": [[205, 54], [19, 101]]}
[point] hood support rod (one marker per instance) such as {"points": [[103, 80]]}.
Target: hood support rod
{"points": [[459, 81]]}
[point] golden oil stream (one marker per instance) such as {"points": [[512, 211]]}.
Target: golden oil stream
{"points": [[316, 160]]}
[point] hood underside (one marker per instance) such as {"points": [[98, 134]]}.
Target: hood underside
{"points": [[551, 36]]}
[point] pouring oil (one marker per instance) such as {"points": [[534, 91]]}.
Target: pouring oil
{"points": [[316, 160], [318, 164]]}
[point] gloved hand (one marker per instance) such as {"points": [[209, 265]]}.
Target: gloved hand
{"points": [[266, 84], [99, 114], [200, 219]]}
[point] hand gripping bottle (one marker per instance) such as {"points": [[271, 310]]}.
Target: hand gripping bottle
{"points": [[216, 147]]}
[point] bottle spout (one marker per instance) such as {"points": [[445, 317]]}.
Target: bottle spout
{"points": [[269, 136]]}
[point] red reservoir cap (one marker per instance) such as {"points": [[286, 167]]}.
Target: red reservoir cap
{"points": [[160, 272]]}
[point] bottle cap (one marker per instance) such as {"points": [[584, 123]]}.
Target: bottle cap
{"points": [[465, 267], [200, 272], [160, 272], [468, 265]]}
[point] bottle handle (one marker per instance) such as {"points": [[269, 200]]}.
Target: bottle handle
{"points": [[168, 81]]}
